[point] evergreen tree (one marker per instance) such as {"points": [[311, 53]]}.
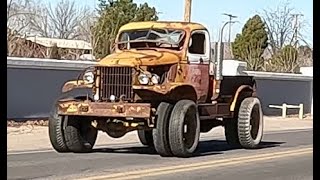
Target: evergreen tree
{"points": [[251, 43]]}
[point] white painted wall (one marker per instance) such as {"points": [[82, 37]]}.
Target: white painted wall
{"points": [[233, 67], [308, 71]]}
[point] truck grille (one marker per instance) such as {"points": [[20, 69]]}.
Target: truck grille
{"points": [[116, 81]]}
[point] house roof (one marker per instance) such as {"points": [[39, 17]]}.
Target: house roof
{"points": [[61, 43]]}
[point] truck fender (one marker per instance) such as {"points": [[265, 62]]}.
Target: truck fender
{"points": [[69, 85], [183, 91], [236, 95], [76, 93]]}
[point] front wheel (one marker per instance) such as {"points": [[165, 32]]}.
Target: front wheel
{"points": [[145, 137], [184, 128], [80, 135], [56, 132], [161, 132]]}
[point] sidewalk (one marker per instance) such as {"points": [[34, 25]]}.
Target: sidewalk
{"points": [[26, 138]]}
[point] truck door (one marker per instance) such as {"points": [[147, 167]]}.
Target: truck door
{"points": [[199, 53]]}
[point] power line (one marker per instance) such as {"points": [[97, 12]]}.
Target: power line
{"points": [[296, 27]]}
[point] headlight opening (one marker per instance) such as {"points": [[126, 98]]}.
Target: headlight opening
{"points": [[143, 79], [88, 77]]}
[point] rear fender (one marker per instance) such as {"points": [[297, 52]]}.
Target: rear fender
{"points": [[240, 90]]}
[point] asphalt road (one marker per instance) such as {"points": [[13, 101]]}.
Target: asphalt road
{"points": [[283, 155]]}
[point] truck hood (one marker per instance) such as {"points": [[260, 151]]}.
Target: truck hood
{"points": [[140, 57]]}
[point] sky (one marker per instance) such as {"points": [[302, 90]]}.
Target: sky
{"points": [[209, 12]]}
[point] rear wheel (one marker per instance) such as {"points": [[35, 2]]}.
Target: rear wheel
{"points": [[250, 123], [161, 132], [245, 130], [145, 137], [80, 135], [184, 128]]}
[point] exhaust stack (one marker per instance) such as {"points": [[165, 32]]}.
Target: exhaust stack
{"points": [[219, 61]]}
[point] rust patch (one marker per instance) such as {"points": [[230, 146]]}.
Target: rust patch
{"points": [[197, 75], [104, 109], [141, 58], [172, 73]]}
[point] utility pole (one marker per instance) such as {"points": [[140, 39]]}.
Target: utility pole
{"points": [[230, 24], [187, 10], [295, 28]]}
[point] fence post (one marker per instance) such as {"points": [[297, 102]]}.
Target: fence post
{"points": [[300, 111], [284, 110]]}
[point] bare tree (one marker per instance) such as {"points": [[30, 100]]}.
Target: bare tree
{"points": [[61, 21], [17, 22], [85, 26], [40, 23], [280, 26], [305, 56], [64, 18], [17, 10]]}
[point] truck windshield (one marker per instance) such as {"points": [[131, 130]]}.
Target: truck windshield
{"points": [[151, 38]]}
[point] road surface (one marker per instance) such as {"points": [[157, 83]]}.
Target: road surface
{"points": [[283, 155]]}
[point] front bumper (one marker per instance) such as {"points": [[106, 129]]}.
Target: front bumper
{"points": [[104, 109]]}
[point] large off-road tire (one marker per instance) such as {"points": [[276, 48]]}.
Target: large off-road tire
{"points": [[80, 135], [246, 130], [250, 123], [184, 128], [161, 132], [57, 122], [145, 137], [56, 132]]}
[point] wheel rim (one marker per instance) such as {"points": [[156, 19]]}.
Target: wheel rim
{"points": [[255, 121], [189, 130]]}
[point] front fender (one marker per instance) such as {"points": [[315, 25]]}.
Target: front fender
{"points": [[69, 85]]}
